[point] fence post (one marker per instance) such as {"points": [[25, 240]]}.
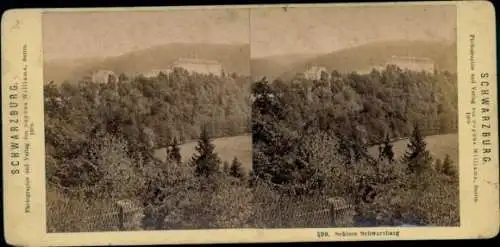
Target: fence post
{"points": [[332, 210], [341, 212], [121, 217], [278, 215], [128, 214]]}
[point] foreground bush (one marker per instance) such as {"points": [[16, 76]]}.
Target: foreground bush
{"points": [[72, 212]]}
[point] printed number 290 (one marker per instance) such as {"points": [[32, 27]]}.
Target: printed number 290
{"points": [[322, 234]]}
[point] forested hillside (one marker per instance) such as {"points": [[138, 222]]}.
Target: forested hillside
{"points": [[146, 113], [381, 103], [310, 141], [311, 138], [357, 58]]}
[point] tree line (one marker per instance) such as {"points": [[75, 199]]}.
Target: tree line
{"points": [[310, 138], [309, 143], [100, 138], [148, 113]]}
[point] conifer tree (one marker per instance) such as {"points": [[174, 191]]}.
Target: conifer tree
{"points": [[174, 152], [225, 168], [236, 169], [417, 157], [447, 167], [438, 166], [251, 178], [357, 146], [206, 160], [386, 151]]}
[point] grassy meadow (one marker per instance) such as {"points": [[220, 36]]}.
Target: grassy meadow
{"points": [[438, 146], [226, 147], [241, 147]]}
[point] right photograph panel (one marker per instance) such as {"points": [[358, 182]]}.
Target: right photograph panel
{"points": [[354, 116]]}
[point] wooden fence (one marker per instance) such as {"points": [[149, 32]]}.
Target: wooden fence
{"points": [[335, 212], [332, 212], [125, 216]]}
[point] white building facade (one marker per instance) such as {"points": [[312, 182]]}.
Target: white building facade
{"points": [[412, 63], [104, 76], [315, 72], [200, 66], [155, 72]]}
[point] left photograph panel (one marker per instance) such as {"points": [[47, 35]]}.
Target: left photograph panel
{"points": [[147, 118]]}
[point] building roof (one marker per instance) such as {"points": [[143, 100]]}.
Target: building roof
{"points": [[315, 69], [196, 60], [103, 71]]}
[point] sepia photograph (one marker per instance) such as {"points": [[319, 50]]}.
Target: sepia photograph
{"points": [[354, 116], [147, 119], [249, 123], [174, 120]]}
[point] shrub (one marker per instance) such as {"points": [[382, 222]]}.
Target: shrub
{"points": [[70, 211], [119, 174], [170, 186], [236, 169]]}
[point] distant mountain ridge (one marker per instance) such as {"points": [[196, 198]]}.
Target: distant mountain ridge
{"points": [[234, 59], [360, 58]]}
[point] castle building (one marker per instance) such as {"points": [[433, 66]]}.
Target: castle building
{"points": [[369, 69], [417, 64], [412, 63], [314, 72], [200, 66], [156, 72], [104, 76]]}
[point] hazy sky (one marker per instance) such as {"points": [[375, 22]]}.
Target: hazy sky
{"points": [[97, 34], [320, 30], [273, 31]]}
